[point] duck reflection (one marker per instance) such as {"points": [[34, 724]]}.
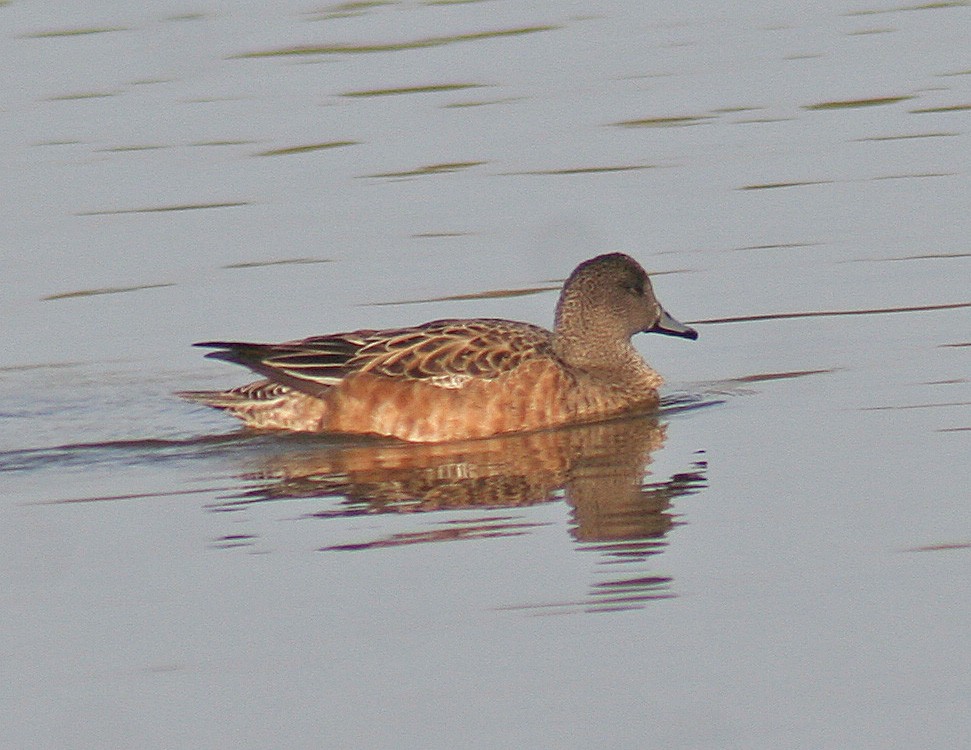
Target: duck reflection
{"points": [[601, 470]]}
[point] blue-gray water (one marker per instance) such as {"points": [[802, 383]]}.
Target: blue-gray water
{"points": [[780, 560]]}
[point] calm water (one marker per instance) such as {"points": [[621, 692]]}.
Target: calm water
{"points": [[781, 558]]}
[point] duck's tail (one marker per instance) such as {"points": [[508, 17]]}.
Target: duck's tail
{"points": [[264, 405]]}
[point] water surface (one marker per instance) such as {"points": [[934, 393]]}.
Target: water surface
{"points": [[778, 559]]}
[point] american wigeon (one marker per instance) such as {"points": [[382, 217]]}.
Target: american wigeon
{"points": [[463, 379]]}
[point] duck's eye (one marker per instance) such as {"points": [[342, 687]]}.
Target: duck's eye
{"points": [[636, 288]]}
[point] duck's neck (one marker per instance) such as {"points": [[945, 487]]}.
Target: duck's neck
{"points": [[593, 351], [608, 361], [582, 338]]}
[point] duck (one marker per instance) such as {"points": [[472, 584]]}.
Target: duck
{"points": [[462, 379]]}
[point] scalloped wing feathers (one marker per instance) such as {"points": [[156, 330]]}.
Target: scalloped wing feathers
{"points": [[445, 353]]}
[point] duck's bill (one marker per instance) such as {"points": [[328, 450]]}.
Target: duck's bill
{"points": [[671, 327]]}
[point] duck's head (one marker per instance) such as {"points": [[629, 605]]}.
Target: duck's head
{"points": [[607, 300]]}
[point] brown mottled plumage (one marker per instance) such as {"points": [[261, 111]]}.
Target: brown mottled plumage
{"points": [[461, 379]]}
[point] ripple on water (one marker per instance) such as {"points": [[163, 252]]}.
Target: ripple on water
{"points": [[361, 48]]}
